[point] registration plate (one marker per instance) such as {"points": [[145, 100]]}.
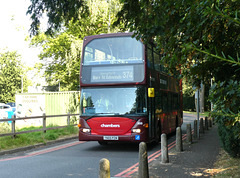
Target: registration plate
{"points": [[110, 137]]}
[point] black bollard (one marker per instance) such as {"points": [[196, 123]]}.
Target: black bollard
{"points": [[206, 123], [201, 130], [195, 130]]}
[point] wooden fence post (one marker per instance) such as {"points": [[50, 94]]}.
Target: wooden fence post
{"points": [[44, 123], [13, 127], [68, 119]]}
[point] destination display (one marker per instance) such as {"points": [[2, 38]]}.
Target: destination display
{"points": [[112, 74]]}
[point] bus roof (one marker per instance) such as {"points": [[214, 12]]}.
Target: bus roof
{"points": [[90, 38]]}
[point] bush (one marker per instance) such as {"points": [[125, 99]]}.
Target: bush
{"points": [[226, 100], [229, 138], [5, 127]]}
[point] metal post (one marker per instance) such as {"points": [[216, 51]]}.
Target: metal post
{"points": [[143, 161], [104, 168], [198, 134]]}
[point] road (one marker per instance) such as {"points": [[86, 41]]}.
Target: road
{"points": [[77, 159]]}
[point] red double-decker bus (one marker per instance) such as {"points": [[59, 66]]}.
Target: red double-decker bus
{"points": [[125, 93]]}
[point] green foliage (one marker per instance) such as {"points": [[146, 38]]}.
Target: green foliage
{"points": [[188, 103], [61, 52], [226, 99], [74, 106], [193, 36], [5, 127], [62, 57], [229, 140], [188, 96], [58, 12], [11, 72], [200, 38]]}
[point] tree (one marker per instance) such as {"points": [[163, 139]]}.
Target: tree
{"points": [[11, 73], [200, 38], [189, 33], [226, 99], [59, 12], [61, 51]]}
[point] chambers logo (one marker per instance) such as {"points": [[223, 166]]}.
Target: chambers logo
{"points": [[111, 125]]}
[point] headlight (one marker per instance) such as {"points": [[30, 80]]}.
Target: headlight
{"points": [[86, 130], [136, 130]]}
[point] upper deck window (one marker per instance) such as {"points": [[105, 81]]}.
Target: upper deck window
{"points": [[113, 50]]}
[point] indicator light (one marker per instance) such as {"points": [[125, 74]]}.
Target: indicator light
{"points": [[145, 125]]}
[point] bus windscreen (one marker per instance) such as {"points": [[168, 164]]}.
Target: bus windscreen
{"points": [[114, 100], [113, 50]]}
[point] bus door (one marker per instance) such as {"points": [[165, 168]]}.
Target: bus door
{"points": [[151, 116]]}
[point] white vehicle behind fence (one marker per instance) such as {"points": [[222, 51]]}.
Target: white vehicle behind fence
{"points": [[4, 108]]}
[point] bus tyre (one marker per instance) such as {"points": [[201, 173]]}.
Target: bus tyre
{"points": [[102, 142], [158, 136]]}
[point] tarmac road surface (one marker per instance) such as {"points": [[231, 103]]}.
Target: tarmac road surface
{"points": [[77, 159]]}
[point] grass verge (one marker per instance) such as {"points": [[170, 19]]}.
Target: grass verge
{"points": [[21, 140], [226, 166]]}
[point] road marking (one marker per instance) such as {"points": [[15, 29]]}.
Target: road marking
{"points": [[134, 168], [44, 151]]}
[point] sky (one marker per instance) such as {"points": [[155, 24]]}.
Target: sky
{"points": [[14, 28]]}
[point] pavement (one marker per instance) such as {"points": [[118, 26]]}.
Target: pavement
{"points": [[196, 159]]}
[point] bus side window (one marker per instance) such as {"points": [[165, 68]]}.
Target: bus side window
{"points": [[165, 101], [170, 101], [88, 55], [157, 65], [158, 102], [150, 57], [175, 101]]}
